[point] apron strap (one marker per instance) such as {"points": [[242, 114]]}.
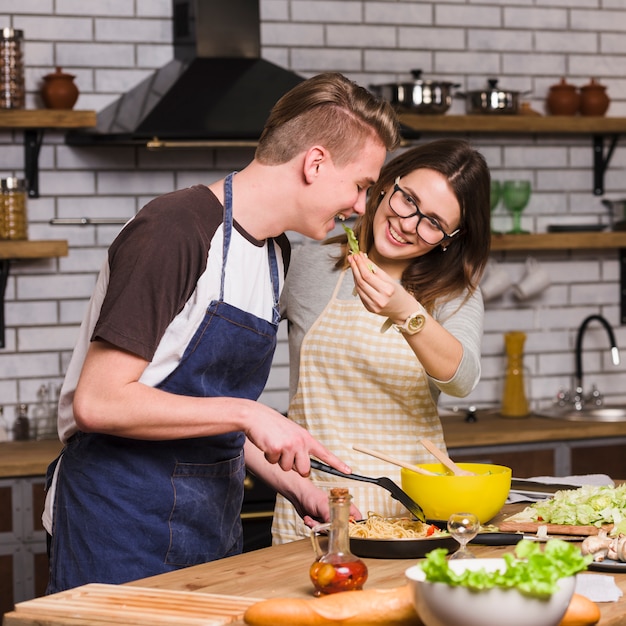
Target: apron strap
{"points": [[271, 252]]}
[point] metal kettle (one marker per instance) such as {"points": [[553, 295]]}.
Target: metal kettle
{"points": [[617, 213]]}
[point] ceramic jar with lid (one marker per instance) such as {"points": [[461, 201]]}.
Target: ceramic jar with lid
{"points": [[58, 90], [563, 99], [594, 99]]}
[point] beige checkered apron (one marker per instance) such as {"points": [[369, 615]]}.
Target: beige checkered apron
{"points": [[359, 386]]}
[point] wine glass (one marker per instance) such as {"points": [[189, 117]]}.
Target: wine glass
{"points": [[515, 195], [495, 197], [463, 527]]}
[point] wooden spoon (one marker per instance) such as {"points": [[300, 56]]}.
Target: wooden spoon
{"points": [[442, 457], [384, 457]]}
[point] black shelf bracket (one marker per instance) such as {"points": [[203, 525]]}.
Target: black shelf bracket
{"points": [[32, 145], [601, 161], [622, 285], [5, 266]]}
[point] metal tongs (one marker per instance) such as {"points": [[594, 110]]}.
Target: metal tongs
{"points": [[384, 482]]}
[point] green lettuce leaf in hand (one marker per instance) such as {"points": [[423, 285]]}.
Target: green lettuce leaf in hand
{"points": [[353, 242]]}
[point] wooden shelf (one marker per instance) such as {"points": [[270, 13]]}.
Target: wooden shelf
{"points": [[33, 249], [600, 128], [33, 122], [570, 241], [46, 118], [560, 124], [558, 241], [28, 249]]}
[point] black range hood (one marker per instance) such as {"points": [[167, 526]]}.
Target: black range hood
{"points": [[216, 91]]}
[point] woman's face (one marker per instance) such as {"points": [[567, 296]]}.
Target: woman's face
{"points": [[395, 239]]}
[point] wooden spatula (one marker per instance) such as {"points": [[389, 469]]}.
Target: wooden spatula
{"points": [[442, 457], [384, 457]]}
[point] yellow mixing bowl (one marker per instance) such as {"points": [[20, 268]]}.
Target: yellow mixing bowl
{"points": [[444, 494]]}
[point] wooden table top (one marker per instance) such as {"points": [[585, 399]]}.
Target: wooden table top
{"points": [[282, 571]]}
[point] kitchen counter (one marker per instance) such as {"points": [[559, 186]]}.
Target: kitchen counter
{"points": [[282, 571], [492, 429], [31, 458], [27, 458]]}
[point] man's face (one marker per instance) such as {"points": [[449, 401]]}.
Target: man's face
{"points": [[341, 191]]}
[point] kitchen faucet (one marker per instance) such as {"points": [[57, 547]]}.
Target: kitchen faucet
{"points": [[579, 398]]}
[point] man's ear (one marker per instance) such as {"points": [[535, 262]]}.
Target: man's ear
{"points": [[314, 159]]}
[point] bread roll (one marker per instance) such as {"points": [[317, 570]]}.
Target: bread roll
{"points": [[366, 607], [581, 612]]}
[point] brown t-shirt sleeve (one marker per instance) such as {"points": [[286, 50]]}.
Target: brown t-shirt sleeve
{"points": [[154, 264]]}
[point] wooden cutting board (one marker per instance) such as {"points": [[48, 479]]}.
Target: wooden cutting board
{"points": [[510, 525], [106, 604]]}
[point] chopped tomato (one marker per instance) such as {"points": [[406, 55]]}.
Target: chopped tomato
{"points": [[432, 529]]}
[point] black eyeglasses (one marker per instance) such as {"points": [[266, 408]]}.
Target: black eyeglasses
{"points": [[428, 229]]}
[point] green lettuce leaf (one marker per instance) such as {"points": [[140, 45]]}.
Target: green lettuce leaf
{"points": [[586, 506], [532, 571], [353, 242]]}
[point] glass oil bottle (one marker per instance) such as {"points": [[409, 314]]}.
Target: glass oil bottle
{"points": [[337, 569]]}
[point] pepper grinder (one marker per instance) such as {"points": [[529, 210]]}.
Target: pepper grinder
{"points": [[514, 400]]}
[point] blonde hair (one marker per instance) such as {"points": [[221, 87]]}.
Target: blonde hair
{"points": [[329, 110]]}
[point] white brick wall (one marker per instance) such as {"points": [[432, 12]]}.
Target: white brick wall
{"points": [[111, 45]]}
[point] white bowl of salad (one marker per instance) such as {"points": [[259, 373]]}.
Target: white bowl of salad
{"points": [[534, 586]]}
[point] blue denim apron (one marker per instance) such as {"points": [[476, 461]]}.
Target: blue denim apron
{"points": [[125, 508]]}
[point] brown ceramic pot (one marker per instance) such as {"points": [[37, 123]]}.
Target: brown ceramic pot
{"points": [[563, 99], [594, 99], [59, 91]]}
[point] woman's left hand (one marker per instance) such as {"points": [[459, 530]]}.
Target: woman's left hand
{"points": [[379, 292]]}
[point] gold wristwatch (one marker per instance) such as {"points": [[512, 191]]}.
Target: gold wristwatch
{"points": [[412, 324]]}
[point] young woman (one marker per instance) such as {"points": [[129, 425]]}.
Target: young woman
{"points": [[376, 336]]}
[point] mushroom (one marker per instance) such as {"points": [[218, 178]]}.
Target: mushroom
{"points": [[597, 545], [617, 549]]}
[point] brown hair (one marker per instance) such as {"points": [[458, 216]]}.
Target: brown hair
{"points": [[438, 273], [330, 110]]}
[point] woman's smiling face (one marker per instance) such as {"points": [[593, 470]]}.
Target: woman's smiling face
{"points": [[395, 239]]}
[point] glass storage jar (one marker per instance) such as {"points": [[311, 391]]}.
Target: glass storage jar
{"points": [[12, 89], [13, 217]]}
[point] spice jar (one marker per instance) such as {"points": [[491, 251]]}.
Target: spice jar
{"points": [[593, 99], [58, 90], [12, 90], [337, 569], [13, 218], [563, 99]]}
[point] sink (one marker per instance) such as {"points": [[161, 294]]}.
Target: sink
{"points": [[606, 413]]}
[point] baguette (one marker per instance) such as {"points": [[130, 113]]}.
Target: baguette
{"points": [[581, 612], [366, 607]]}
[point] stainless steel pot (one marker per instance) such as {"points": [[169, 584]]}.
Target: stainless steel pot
{"points": [[420, 96], [492, 100]]}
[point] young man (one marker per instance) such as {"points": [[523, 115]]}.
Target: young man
{"points": [[160, 398]]}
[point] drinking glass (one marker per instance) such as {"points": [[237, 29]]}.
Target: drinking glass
{"points": [[463, 527], [515, 195], [495, 197]]}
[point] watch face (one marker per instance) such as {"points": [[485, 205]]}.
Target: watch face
{"points": [[415, 323]]}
